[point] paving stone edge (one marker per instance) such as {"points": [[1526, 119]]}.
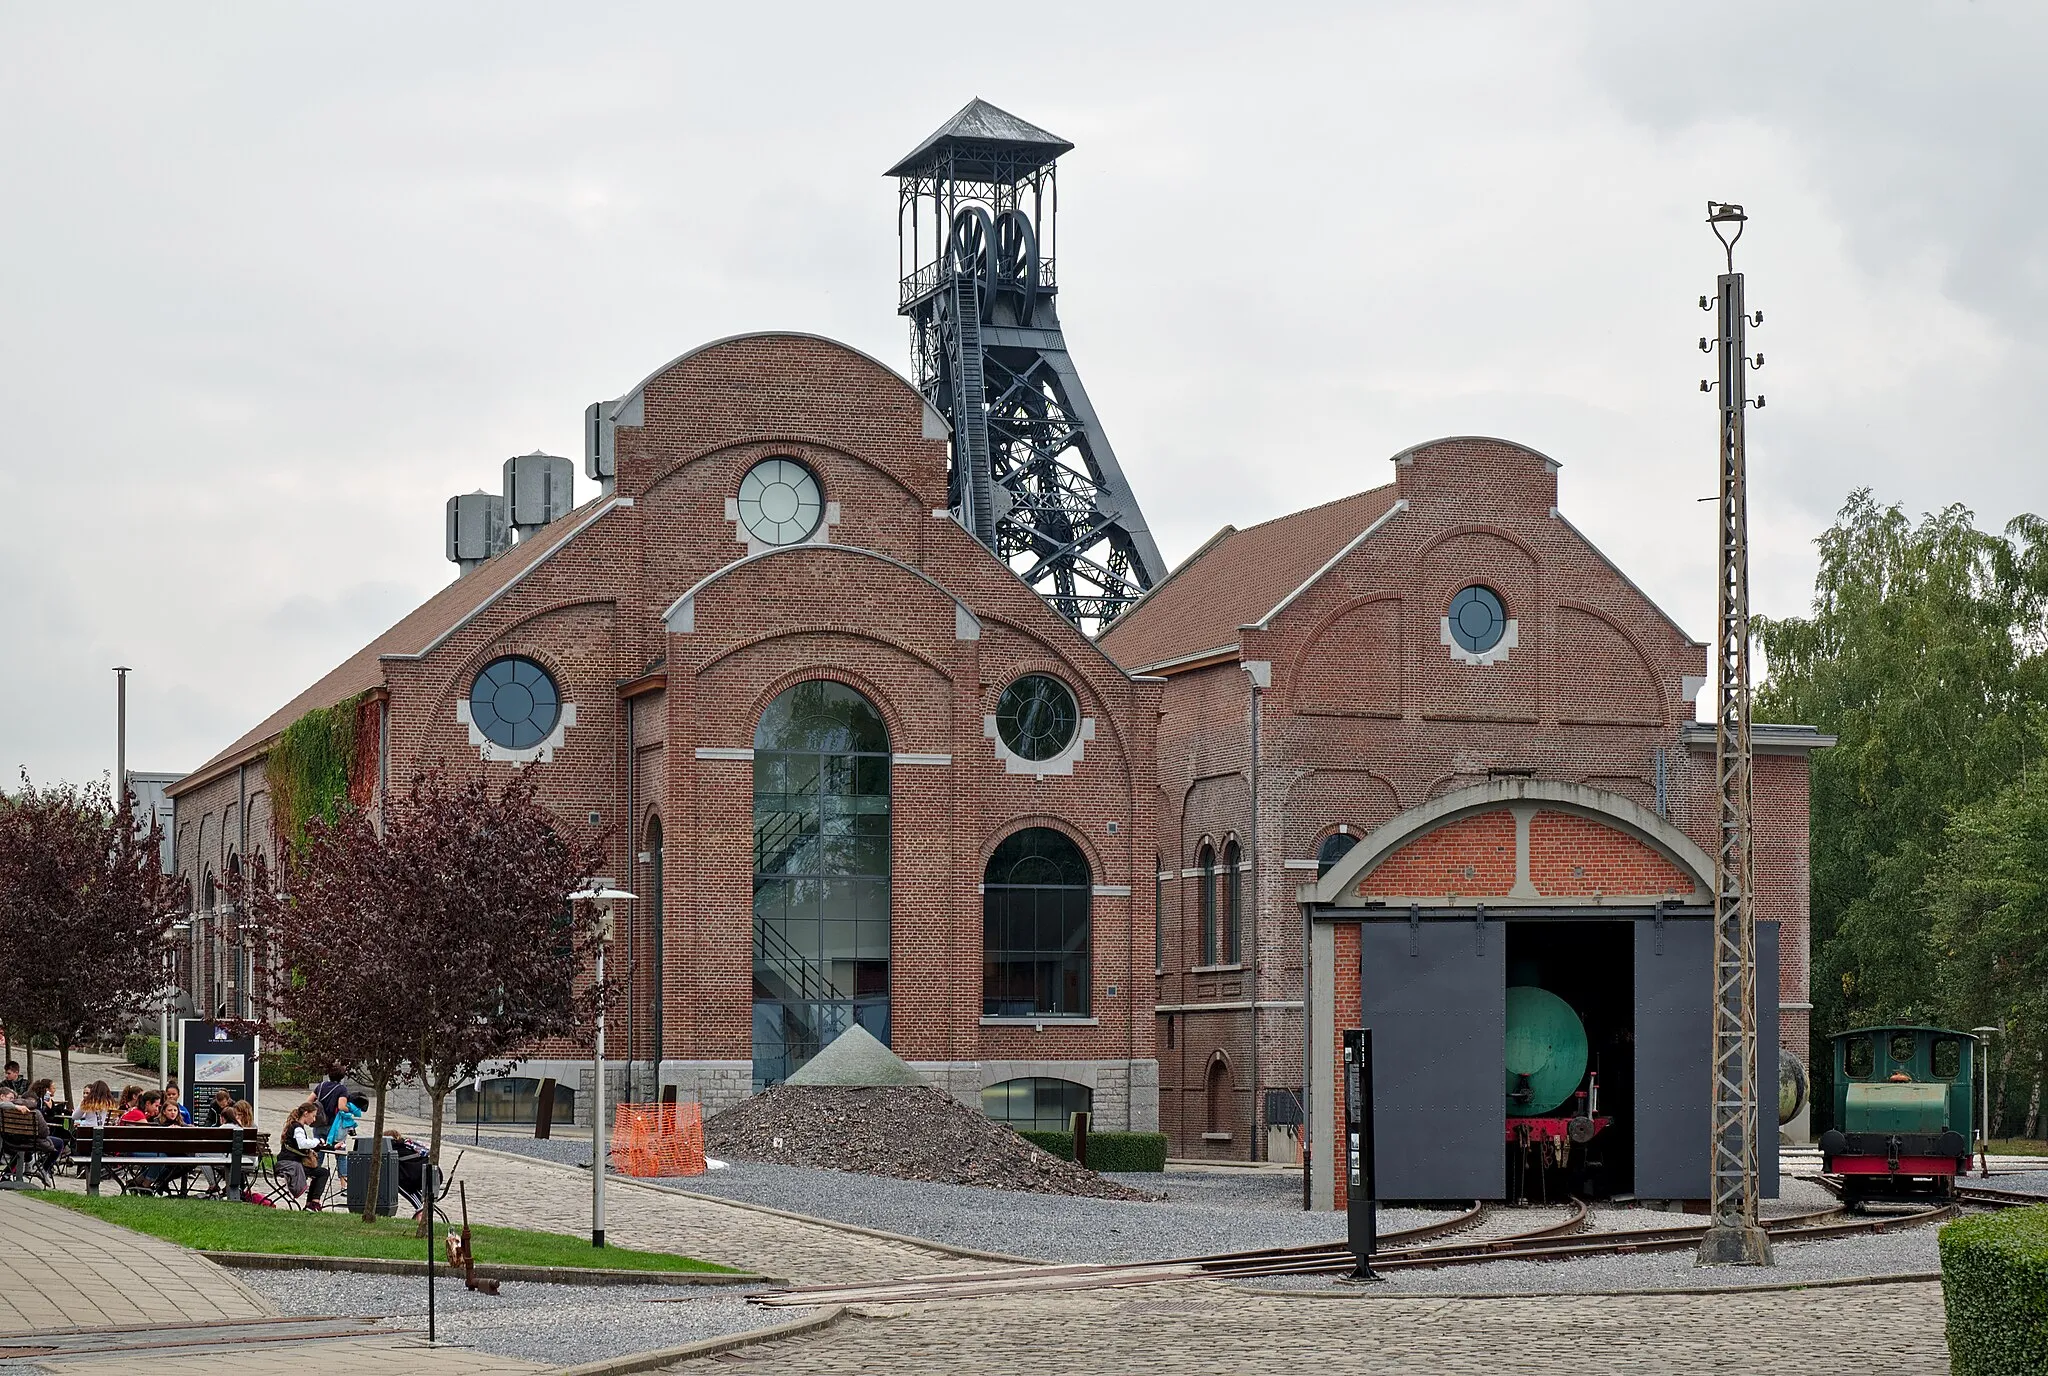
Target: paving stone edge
{"points": [[924, 1243], [544, 1275], [669, 1356], [1369, 1292]]}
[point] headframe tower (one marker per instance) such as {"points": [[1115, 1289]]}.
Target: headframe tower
{"points": [[1033, 476]]}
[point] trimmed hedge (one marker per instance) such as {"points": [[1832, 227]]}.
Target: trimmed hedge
{"points": [[141, 1050], [1994, 1283], [1107, 1151]]}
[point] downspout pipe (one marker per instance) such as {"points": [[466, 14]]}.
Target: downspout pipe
{"points": [[1260, 672]]}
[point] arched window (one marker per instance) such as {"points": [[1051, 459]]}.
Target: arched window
{"points": [[1216, 1098], [1232, 916], [1205, 901], [821, 874], [1035, 928], [1335, 847], [654, 915], [1036, 1102]]}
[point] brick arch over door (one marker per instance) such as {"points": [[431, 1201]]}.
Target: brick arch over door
{"points": [[1521, 841]]}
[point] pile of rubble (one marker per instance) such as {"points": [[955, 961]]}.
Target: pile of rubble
{"points": [[850, 1109]]}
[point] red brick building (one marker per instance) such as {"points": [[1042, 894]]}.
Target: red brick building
{"points": [[1432, 705], [855, 769]]}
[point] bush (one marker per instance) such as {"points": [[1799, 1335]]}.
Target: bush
{"points": [[1107, 1151], [286, 1068], [141, 1050], [1994, 1282]]}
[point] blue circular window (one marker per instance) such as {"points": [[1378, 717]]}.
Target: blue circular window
{"points": [[1477, 619], [515, 703]]}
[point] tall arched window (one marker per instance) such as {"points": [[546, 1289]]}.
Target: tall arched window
{"points": [[1216, 1099], [1035, 928], [1205, 901], [821, 874], [1232, 916], [1335, 847], [654, 914]]}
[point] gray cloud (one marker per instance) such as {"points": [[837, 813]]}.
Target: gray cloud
{"points": [[278, 281]]}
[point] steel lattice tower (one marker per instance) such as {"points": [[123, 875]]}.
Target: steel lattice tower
{"points": [[1735, 1235], [1033, 476]]}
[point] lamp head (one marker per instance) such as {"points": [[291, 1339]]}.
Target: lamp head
{"points": [[1727, 220]]}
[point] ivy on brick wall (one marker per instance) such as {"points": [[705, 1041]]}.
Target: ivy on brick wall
{"points": [[312, 767]]}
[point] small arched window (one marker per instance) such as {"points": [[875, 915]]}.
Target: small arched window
{"points": [[1205, 901], [1334, 848], [1232, 915], [1035, 927]]}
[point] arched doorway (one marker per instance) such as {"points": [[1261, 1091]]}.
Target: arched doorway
{"points": [[821, 874]]}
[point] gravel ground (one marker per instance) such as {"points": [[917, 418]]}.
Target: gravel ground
{"points": [[2033, 1181], [556, 1324]]}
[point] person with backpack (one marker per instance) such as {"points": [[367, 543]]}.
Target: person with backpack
{"points": [[329, 1095]]}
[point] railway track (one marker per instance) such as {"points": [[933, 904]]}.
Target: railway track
{"points": [[1410, 1249], [1981, 1196]]}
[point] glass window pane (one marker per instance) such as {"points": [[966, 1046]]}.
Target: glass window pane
{"points": [[1859, 1058], [1947, 1058], [1903, 1046]]}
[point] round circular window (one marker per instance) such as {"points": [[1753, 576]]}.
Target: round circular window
{"points": [[1037, 717], [1477, 619], [780, 502], [515, 703]]}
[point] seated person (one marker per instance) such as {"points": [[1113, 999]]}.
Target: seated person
{"points": [[298, 1155], [220, 1110], [173, 1110], [25, 1129], [97, 1107], [42, 1097]]}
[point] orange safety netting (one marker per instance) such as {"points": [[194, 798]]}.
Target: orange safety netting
{"points": [[658, 1139]]}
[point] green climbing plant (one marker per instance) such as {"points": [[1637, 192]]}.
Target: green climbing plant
{"points": [[310, 767]]}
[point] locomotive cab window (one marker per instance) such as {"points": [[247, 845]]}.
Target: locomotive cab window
{"points": [[1859, 1058], [1947, 1057], [1904, 1046]]}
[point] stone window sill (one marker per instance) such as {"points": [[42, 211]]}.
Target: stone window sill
{"points": [[1218, 969], [1216, 1137], [1055, 1019]]}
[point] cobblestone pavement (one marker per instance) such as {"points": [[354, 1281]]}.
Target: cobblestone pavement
{"points": [[1204, 1329], [528, 1193]]}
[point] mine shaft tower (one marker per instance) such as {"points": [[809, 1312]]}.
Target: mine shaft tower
{"points": [[1033, 476]]}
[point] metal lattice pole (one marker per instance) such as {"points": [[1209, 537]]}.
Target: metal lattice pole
{"points": [[1735, 1235]]}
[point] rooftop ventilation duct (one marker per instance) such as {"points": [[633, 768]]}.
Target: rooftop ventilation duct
{"points": [[538, 489], [476, 528]]}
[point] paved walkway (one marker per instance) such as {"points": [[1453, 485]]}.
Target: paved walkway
{"points": [[64, 1270], [1207, 1329]]}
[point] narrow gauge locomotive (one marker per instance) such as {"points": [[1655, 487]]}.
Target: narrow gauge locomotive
{"points": [[1546, 1067], [1902, 1112]]}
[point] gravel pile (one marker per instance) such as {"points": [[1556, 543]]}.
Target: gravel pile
{"points": [[908, 1132], [557, 1325]]}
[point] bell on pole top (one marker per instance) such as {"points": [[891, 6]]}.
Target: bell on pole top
{"points": [[982, 144]]}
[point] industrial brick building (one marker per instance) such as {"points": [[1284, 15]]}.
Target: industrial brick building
{"points": [[831, 740], [810, 663], [1401, 719]]}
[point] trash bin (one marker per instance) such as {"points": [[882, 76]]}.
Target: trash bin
{"points": [[359, 1176]]}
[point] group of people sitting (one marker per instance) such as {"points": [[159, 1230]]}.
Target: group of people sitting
{"points": [[36, 1123]]}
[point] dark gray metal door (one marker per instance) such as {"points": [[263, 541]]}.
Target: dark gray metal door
{"points": [[1674, 1055], [1434, 995], [1767, 1058]]}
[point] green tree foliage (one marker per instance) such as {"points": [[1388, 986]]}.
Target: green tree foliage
{"points": [[1988, 901], [1923, 656]]}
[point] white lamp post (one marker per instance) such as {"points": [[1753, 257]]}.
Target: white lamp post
{"points": [[602, 896], [163, 1024], [1984, 1035]]}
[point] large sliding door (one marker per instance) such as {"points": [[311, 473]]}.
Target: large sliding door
{"points": [[1674, 1058], [1434, 996]]}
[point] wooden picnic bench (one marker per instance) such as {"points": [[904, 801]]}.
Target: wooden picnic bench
{"points": [[148, 1145]]}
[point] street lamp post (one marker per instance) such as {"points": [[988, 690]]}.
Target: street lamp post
{"points": [[602, 896], [1984, 1035], [163, 1026]]}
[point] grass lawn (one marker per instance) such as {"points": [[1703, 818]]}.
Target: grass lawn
{"points": [[2017, 1146], [219, 1226]]}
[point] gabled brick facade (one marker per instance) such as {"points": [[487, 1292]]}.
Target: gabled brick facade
{"points": [[669, 634], [1365, 709]]}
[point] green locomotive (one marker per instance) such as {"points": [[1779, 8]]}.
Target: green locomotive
{"points": [[1903, 1108]]}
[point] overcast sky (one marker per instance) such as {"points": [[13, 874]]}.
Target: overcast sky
{"points": [[276, 281]]}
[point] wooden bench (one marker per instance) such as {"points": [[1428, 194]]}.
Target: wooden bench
{"points": [[241, 1150]]}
